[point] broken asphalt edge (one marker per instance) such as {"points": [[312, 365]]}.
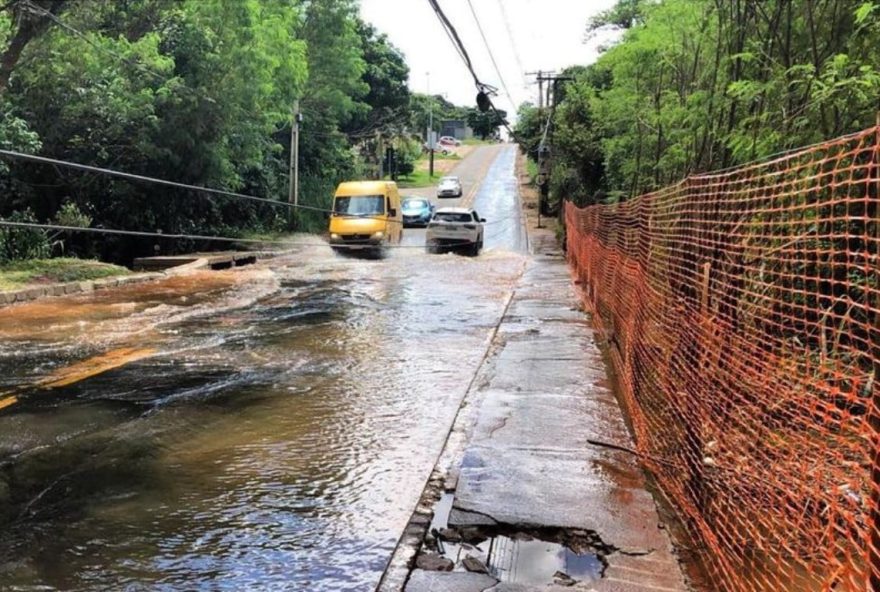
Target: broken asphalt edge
{"points": [[444, 473]]}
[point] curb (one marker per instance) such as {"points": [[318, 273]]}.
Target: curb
{"points": [[68, 288], [87, 286]]}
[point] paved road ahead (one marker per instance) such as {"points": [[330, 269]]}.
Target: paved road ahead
{"points": [[266, 428], [488, 185]]}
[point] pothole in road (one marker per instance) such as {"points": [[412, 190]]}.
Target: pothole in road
{"points": [[534, 557]]}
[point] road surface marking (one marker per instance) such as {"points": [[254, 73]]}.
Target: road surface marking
{"points": [[79, 371], [481, 177], [94, 366]]}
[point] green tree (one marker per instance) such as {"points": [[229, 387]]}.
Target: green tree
{"points": [[486, 124], [424, 108], [694, 85], [198, 91], [30, 20], [164, 89], [530, 123], [385, 76]]}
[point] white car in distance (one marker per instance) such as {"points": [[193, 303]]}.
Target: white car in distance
{"points": [[449, 187], [455, 229]]}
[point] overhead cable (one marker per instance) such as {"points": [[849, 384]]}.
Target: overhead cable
{"points": [[491, 55], [205, 237], [513, 44], [164, 182], [153, 180], [486, 89], [456, 40]]}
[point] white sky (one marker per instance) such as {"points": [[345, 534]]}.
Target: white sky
{"points": [[549, 35]]}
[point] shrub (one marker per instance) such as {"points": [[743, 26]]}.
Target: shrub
{"points": [[22, 243]]}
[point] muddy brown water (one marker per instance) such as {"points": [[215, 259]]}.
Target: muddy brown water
{"points": [[268, 428]]}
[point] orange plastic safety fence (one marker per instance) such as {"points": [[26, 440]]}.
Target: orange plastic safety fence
{"points": [[742, 313]]}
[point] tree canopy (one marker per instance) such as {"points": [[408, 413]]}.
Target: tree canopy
{"points": [[486, 124], [197, 91], [697, 85]]}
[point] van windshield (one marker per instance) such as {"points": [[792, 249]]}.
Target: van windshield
{"points": [[359, 205]]}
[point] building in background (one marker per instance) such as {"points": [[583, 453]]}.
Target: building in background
{"points": [[457, 128]]}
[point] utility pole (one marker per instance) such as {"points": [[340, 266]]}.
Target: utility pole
{"points": [[293, 195], [380, 154], [545, 163], [541, 77], [430, 129], [540, 89]]}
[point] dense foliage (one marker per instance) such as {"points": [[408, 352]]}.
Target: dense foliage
{"points": [[697, 85], [486, 123], [198, 91]]}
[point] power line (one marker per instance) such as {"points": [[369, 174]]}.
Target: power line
{"points": [[164, 182], [485, 90], [184, 236], [491, 55], [145, 179], [513, 44], [456, 41], [142, 233]]}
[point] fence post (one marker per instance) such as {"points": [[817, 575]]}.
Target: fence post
{"points": [[704, 290], [874, 415]]}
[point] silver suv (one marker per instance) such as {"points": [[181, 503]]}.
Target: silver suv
{"points": [[455, 229]]}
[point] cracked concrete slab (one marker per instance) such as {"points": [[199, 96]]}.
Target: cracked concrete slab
{"points": [[529, 462], [529, 487], [518, 419], [507, 587], [437, 581]]}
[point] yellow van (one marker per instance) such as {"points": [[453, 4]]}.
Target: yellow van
{"points": [[366, 216]]}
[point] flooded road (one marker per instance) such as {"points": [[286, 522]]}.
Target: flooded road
{"points": [[264, 428]]}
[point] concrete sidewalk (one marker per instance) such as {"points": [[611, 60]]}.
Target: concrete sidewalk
{"points": [[558, 513]]}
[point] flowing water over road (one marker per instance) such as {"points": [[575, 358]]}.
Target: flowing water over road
{"points": [[265, 428]]}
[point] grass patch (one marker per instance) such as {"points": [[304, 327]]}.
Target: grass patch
{"points": [[439, 156], [277, 239], [19, 274], [532, 170], [418, 179], [476, 142]]}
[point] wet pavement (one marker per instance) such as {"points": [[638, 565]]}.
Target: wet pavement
{"points": [[505, 225], [533, 502], [268, 428], [273, 427]]}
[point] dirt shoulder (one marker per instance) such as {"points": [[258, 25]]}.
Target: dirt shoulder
{"points": [[444, 164], [529, 198]]}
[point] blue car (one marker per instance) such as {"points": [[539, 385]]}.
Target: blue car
{"points": [[417, 211]]}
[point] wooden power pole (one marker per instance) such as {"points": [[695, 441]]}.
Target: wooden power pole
{"points": [[293, 195]]}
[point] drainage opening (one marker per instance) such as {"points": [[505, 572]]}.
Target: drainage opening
{"points": [[517, 556]]}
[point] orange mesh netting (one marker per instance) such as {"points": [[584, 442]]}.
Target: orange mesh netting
{"points": [[741, 311]]}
